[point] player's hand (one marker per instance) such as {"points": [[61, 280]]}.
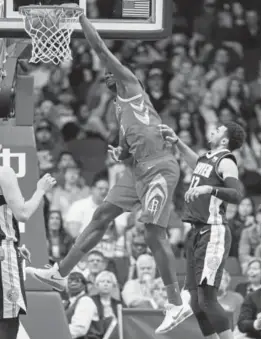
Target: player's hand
{"points": [[195, 192], [115, 152], [168, 134], [257, 322], [25, 253], [46, 183]]}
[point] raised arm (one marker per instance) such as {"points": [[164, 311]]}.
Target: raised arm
{"points": [[189, 155], [108, 60], [22, 209]]}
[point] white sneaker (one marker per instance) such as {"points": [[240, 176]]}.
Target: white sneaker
{"points": [[171, 314], [49, 276], [175, 314]]}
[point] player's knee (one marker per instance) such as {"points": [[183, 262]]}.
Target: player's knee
{"points": [[207, 301], [194, 303], [154, 234], [106, 213]]}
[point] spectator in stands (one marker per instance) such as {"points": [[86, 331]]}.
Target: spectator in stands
{"points": [[112, 245], [106, 284], [249, 321], [138, 247], [235, 99], [253, 274], [229, 300], [81, 211], [250, 240], [159, 294], [72, 190], [48, 148], [79, 306], [137, 292], [58, 241], [96, 263], [156, 91], [243, 218], [65, 160], [105, 311]]}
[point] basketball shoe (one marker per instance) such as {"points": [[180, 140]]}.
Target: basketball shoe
{"points": [[49, 275], [174, 315]]}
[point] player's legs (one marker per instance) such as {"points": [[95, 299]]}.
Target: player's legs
{"points": [[191, 286], [9, 328], [121, 197], [204, 324], [155, 187], [90, 237], [157, 241], [210, 254]]}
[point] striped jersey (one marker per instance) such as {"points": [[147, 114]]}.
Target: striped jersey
{"points": [[139, 127], [8, 224], [207, 209], [12, 291]]}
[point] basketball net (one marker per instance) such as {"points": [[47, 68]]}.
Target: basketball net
{"points": [[50, 28]]}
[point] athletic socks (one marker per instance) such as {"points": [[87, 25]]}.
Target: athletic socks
{"points": [[173, 294]]}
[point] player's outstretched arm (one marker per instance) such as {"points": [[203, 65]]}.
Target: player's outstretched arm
{"points": [[22, 209], [189, 155], [109, 61]]}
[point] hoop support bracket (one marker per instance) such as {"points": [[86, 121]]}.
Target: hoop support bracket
{"points": [[8, 83]]}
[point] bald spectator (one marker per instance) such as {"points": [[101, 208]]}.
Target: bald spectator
{"points": [[137, 292]]}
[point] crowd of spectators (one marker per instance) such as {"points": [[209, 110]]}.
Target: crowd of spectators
{"points": [[207, 72]]}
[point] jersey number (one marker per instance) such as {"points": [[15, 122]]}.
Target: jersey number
{"points": [[194, 182]]}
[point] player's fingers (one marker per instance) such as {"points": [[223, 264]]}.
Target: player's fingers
{"points": [[171, 139]]}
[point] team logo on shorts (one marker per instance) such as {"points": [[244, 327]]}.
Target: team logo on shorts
{"points": [[156, 196], [213, 263], [12, 294]]}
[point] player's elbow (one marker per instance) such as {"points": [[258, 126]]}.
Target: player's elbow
{"points": [[21, 216]]}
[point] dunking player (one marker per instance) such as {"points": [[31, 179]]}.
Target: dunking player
{"points": [[154, 176], [14, 208], [214, 184]]}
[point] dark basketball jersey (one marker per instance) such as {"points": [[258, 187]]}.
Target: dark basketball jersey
{"points": [[12, 291], [139, 127], [207, 209]]}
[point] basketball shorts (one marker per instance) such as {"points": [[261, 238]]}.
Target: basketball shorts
{"points": [[12, 291], [150, 184], [207, 250]]}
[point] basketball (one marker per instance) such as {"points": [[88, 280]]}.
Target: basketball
{"points": [[43, 22]]}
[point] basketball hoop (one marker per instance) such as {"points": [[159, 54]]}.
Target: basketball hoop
{"points": [[50, 28]]}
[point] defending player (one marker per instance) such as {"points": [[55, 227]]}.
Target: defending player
{"points": [[14, 208], [214, 184], [154, 176]]}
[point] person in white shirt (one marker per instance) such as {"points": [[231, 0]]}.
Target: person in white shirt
{"points": [[80, 308], [137, 292], [80, 213]]}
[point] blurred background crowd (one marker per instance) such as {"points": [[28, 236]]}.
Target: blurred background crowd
{"points": [[207, 72]]}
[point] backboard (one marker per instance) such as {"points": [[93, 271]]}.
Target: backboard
{"points": [[118, 19]]}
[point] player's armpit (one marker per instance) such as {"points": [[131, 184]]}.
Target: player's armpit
{"points": [[107, 58], [11, 191]]}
